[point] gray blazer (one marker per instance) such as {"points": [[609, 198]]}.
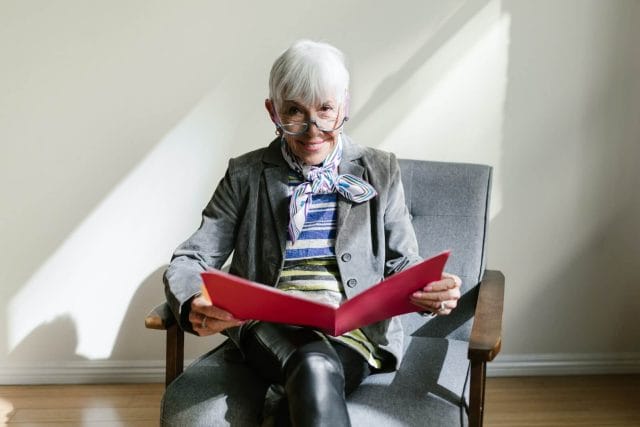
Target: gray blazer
{"points": [[248, 216]]}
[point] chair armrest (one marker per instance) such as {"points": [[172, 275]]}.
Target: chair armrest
{"points": [[486, 334], [161, 318]]}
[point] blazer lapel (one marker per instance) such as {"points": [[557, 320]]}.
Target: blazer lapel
{"points": [[277, 186], [350, 153], [276, 175]]}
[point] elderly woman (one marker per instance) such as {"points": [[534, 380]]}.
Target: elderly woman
{"points": [[315, 214]]}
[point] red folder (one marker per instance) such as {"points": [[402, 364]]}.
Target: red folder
{"points": [[250, 300]]}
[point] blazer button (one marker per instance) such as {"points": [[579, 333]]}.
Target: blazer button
{"points": [[352, 282], [346, 257]]}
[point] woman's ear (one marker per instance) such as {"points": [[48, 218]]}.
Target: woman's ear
{"points": [[268, 104]]}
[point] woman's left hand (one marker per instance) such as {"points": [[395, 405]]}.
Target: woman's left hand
{"points": [[439, 297]]}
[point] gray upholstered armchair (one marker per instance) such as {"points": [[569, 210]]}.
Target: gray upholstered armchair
{"points": [[442, 378]]}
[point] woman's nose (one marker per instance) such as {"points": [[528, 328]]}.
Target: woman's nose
{"points": [[312, 128]]}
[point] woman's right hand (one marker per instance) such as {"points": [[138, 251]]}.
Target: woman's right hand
{"points": [[207, 319]]}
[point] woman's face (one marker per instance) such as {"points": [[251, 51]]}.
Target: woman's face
{"points": [[313, 145]]}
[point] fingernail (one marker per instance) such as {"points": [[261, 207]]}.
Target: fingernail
{"points": [[417, 294]]}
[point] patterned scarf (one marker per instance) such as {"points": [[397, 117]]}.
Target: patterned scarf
{"points": [[321, 180]]}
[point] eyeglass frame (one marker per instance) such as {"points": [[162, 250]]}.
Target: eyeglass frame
{"points": [[307, 123]]}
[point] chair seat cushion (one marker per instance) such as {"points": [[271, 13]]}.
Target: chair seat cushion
{"points": [[428, 389]]}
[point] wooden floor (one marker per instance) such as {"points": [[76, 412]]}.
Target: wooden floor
{"points": [[532, 401], [81, 405], [563, 401]]}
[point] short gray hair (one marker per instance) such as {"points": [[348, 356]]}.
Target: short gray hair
{"points": [[309, 71]]}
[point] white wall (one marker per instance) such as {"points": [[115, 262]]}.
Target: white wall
{"points": [[116, 120]]}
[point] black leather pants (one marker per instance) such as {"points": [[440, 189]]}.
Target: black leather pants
{"points": [[311, 375]]}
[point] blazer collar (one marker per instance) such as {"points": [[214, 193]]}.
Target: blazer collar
{"points": [[349, 164], [351, 152], [273, 156]]}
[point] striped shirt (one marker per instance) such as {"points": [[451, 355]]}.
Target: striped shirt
{"points": [[311, 269]]}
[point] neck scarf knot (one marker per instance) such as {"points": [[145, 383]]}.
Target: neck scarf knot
{"points": [[322, 179]]}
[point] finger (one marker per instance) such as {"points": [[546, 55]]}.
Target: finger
{"points": [[456, 279], [432, 305], [196, 320], [199, 304], [220, 314], [429, 306], [448, 281], [206, 308], [213, 326], [446, 307], [436, 307], [440, 285], [435, 299], [450, 304], [434, 296]]}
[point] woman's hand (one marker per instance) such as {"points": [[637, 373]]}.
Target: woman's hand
{"points": [[439, 297], [207, 319]]}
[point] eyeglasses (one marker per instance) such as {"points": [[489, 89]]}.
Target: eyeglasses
{"points": [[323, 125], [292, 122]]}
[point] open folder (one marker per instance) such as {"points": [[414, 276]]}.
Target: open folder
{"points": [[250, 300]]}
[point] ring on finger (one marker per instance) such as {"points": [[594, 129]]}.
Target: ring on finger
{"points": [[443, 307], [203, 325]]}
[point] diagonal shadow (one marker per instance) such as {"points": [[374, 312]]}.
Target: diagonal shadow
{"points": [[423, 388], [391, 84]]}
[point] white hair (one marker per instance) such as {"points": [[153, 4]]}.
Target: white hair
{"points": [[310, 72]]}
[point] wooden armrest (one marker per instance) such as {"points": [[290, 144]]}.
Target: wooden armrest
{"points": [[161, 318], [486, 334]]}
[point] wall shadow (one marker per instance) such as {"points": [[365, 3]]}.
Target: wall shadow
{"points": [[390, 84], [38, 343], [134, 341]]}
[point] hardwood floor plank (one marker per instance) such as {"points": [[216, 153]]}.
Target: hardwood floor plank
{"points": [[563, 401], [73, 415], [132, 404], [129, 423]]}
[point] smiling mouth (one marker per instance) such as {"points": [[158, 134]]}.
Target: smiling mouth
{"points": [[311, 145]]}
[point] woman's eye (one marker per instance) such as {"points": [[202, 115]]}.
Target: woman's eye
{"points": [[293, 111]]}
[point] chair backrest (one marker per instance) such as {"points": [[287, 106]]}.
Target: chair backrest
{"points": [[449, 205]]}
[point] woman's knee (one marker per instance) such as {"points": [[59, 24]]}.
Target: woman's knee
{"points": [[306, 365]]}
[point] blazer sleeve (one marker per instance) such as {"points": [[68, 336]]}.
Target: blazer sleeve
{"points": [[401, 242], [208, 248]]}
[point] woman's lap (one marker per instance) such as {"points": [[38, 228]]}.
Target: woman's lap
{"points": [[267, 347]]}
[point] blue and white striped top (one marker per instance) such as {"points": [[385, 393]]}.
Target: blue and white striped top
{"points": [[318, 236], [311, 269]]}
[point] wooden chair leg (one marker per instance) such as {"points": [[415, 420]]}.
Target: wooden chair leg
{"points": [[476, 403], [175, 353]]}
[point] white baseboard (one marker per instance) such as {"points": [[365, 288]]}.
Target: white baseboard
{"points": [[152, 371], [564, 364], [84, 372]]}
